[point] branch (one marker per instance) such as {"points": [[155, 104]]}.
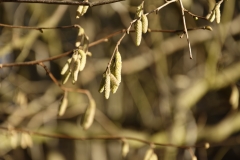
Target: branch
{"points": [[90, 4], [98, 138]]}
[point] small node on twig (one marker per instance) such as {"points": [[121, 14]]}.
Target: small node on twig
{"points": [[81, 10], [88, 116]]}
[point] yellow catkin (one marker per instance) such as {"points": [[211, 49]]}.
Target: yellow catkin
{"points": [[63, 105], [79, 12], [66, 66], [14, 139], [138, 30], [153, 157], [114, 83], [107, 86], [211, 16], [234, 97], [83, 59], [125, 148], [144, 23], [89, 115], [80, 35], [218, 13], [102, 84], [76, 70], [148, 154], [66, 77], [118, 66]]}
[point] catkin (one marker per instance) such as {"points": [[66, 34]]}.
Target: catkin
{"points": [[89, 115], [218, 13], [125, 148], [83, 59], [66, 77], [102, 84], [138, 30], [63, 105], [118, 66], [107, 86], [148, 154], [66, 66], [144, 23], [76, 70]]}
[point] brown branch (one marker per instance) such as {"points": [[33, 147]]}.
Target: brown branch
{"points": [[185, 28], [98, 138], [90, 4]]}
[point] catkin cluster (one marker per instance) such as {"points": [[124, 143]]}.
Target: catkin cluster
{"points": [[215, 13], [74, 65], [141, 24], [81, 10], [112, 77]]}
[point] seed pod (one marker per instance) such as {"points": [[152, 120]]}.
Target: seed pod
{"points": [[118, 66], [138, 30], [66, 77], [107, 86], [63, 105], [66, 66], [148, 154], [102, 84], [125, 148], [144, 23], [218, 13], [83, 59], [88, 117]]}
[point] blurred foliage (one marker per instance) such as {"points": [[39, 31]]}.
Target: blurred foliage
{"points": [[164, 96]]}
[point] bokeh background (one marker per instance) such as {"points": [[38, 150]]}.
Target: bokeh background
{"points": [[164, 97]]}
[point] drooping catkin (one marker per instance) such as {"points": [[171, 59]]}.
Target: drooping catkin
{"points": [[66, 77], [125, 148], [138, 30], [114, 83], [211, 16], [102, 84], [63, 105], [80, 37], [76, 70], [153, 157], [83, 59], [107, 86], [26, 140], [144, 23], [81, 10], [66, 66], [88, 117], [234, 97], [218, 13], [118, 66], [148, 154]]}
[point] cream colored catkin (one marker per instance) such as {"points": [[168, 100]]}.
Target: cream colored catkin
{"points": [[26, 140], [107, 86], [76, 70], [83, 59], [89, 115], [79, 40], [138, 30], [118, 66], [125, 148], [148, 154], [102, 84], [66, 66], [64, 104], [218, 13], [66, 77], [153, 157], [144, 23]]}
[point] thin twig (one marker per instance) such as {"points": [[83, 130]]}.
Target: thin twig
{"points": [[185, 28], [90, 4], [98, 138]]}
